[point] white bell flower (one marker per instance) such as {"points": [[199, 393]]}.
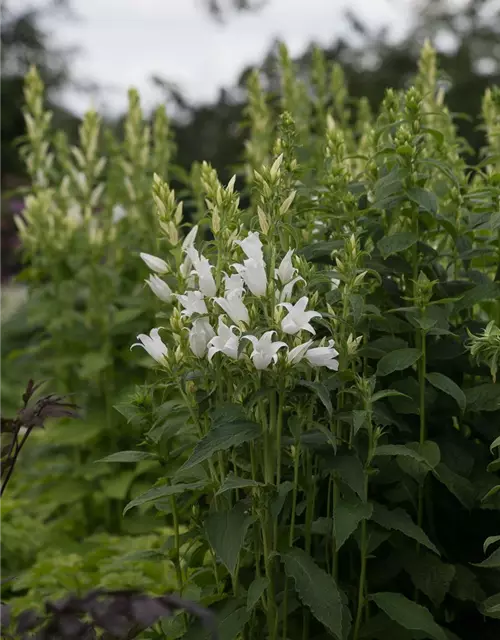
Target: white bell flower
{"points": [[254, 275], [190, 238], [252, 246], [233, 305], [295, 355], [154, 345], [154, 263], [232, 282], [298, 318], [225, 341], [334, 283], [264, 350], [159, 288], [323, 356], [118, 213], [203, 270], [286, 293], [193, 302], [286, 270], [200, 335]]}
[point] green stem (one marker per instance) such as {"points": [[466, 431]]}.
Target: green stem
{"points": [[291, 531]]}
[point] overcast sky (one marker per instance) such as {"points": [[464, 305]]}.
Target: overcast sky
{"points": [[123, 42]]}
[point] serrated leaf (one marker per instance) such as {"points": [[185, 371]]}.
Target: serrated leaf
{"points": [[399, 450], [479, 293], [408, 614], [316, 589], [431, 454], [321, 391], [398, 360], [396, 242], [346, 518], [255, 591], [429, 574], [351, 472], [129, 456], [222, 438], [158, 493], [399, 520], [456, 484], [233, 482], [446, 385], [226, 531], [425, 199]]}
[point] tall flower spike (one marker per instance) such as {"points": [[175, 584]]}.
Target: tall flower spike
{"points": [[159, 288], [252, 246], [200, 335], [233, 305], [286, 270], [225, 341], [154, 345], [264, 350], [193, 302], [298, 318], [254, 275], [154, 263]]}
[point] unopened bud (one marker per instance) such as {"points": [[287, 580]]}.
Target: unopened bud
{"points": [[263, 221], [287, 203]]}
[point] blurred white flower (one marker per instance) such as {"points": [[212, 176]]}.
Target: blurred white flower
{"points": [[225, 341], [296, 354], [200, 335], [335, 283], [154, 345], [253, 273], [154, 263], [190, 238], [232, 282], [233, 305], [286, 293], [286, 270], [118, 213], [252, 246], [323, 356], [74, 216], [298, 318], [264, 350], [203, 270], [192, 302], [159, 288]]}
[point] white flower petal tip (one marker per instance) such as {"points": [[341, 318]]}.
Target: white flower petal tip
{"points": [[190, 238], [265, 350], [154, 345], [232, 304], [200, 335], [286, 271], [253, 273], [154, 263], [298, 318], [159, 288], [252, 246], [192, 302], [225, 342]]}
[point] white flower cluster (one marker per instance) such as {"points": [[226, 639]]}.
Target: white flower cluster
{"points": [[251, 275]]}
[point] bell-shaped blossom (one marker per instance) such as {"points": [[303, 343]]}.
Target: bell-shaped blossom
{"points": [[159, 288], [154, 345], [193, 302], [154, 263], [295, 355], [200, 335], [286, 270], [254, 275], [232, 282], [225, 341], [323, 357], [190, 238], [265, 350], [286, 293], [233, 305], [252, 246], [118, 213], [203, 270], [298, 318]]}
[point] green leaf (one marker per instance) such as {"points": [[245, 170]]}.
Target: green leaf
{"points": [[316, 589], [408, 614], [429, 574], [351, 472], [157, 493], [255, 591], [431, 455], [495, 443], [129, 456], [491, 606], [446, 385], [399, 520], [347, 516], [489, 541], [398, 360], [233, 482], [93, 363], [479, 293], [387, 393], [230, 621], [399, 450], [226, 531], [133, 414], [456, 484], [491, 562], [425, 199], [321, 391], [484, 397], [396, 242], [222, 438]]}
